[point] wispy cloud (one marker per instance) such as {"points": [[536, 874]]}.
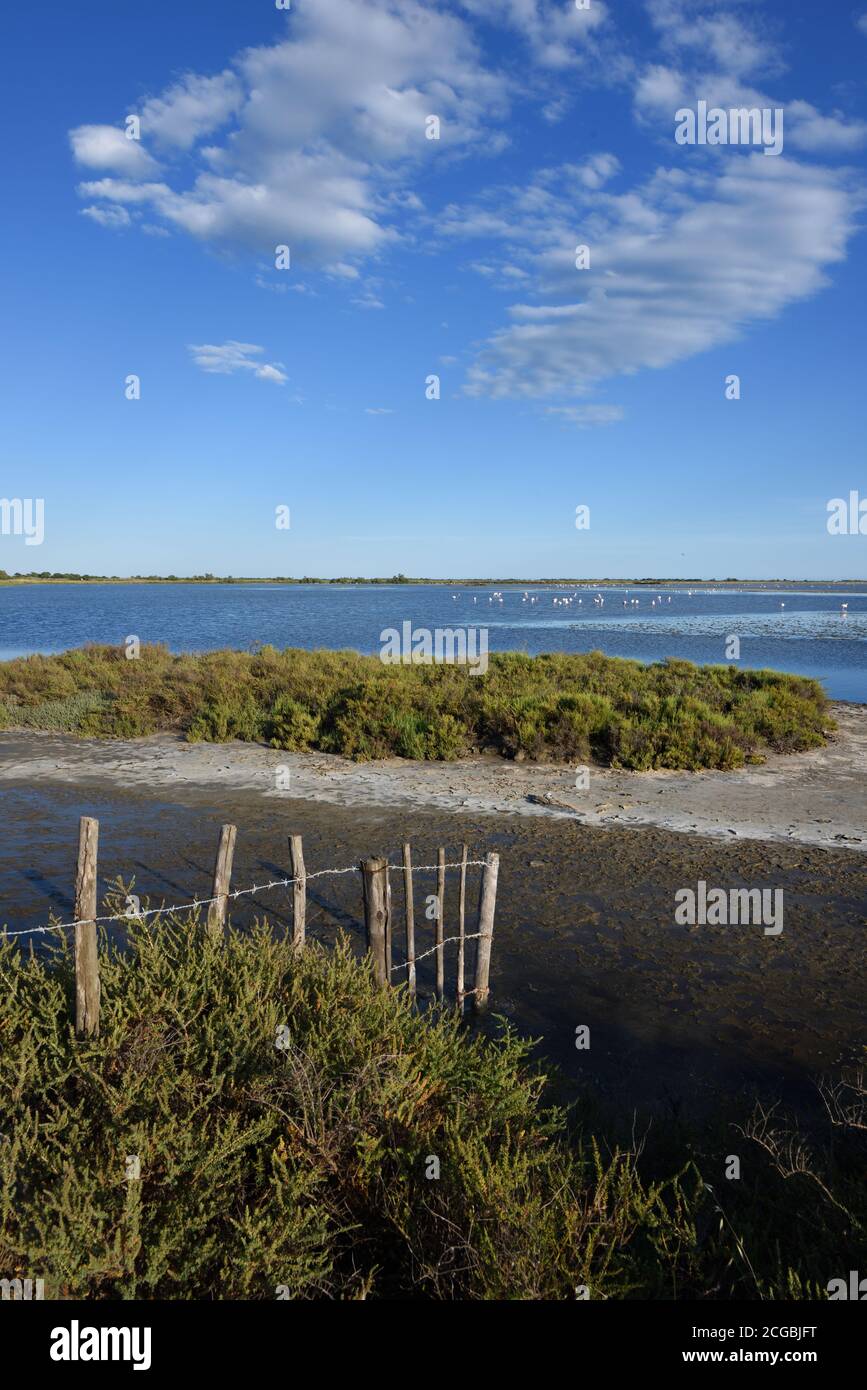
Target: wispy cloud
{"points": [[231, 357], [586, 416], [680, 265], [315, 140], [108, 217]]}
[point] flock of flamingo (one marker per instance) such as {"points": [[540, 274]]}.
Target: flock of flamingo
{"points": [[564, 600]]}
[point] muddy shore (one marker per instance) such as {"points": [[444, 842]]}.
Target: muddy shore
{"points": [[816, 798], [682, 1018]]}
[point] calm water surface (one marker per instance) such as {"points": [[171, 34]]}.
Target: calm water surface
{"points": [[805, 631]]}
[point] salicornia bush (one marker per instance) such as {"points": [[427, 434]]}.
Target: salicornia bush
{"points": [[585, 707]]}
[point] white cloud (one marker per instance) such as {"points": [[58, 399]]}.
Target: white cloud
{"points": [[596, 170], [108, 217], [659, 91], [556, 31], [679, 266], [861, 23], [377, 410], [122, 191], [810, 130], [315, 131], [503, 276], [271, 372], [587, 416], [314, 140], [735, 43], [714, 51], [231, 357], [191, 108], [108, 147]]}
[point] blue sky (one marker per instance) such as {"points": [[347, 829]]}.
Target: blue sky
{"points": [[305, 387]]}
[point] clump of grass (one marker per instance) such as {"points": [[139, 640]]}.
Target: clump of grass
{"points": [[375, 1153], [585, 707]]}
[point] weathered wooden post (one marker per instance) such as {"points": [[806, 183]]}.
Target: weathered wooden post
{"points": [[487, 906], [410, 919], [85, 952], [462, 904], [222, 879], [441, 894], [387, 923], [299, 890], [375, 888]]}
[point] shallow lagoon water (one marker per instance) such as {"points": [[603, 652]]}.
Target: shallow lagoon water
{"points": [[805, 631], [585, 933]]}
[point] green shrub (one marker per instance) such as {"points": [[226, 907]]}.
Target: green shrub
{"points": [[223, 719], [78, 712], [568, 708], [290, 725], [303, 1166], [308, 1166]]}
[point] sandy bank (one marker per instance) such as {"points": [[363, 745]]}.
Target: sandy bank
{"points": [[814, 798]]}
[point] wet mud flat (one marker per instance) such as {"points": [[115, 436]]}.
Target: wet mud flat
{"points": [[817, 797], [683, 1019]]}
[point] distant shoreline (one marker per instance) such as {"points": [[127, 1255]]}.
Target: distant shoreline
{"points": [[402, 580]]}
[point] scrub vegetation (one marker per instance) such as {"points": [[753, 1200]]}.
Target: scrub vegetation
{"points": [[568, 708], [378, 1153]]}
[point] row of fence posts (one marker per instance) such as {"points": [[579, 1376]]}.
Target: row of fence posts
{"points": [[378, 919]]}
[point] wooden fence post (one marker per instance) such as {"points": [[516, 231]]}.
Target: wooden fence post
{"points": [[299, 890], [387, 924], [375, 887], [487, 906], [222, 879], [462, 904], [85, 952], [441, 895], [410, 919]]}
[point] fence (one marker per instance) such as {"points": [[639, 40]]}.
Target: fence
{"points": [[377, 904]]}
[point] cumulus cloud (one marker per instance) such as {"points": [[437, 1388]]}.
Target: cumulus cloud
{"points": [[596, 170], [231, 357], [315, 140], [108, 147], [723, 38], [713, 53], [315, 131], [661, 91], [191, 108], [556, 32], [811, 131]]}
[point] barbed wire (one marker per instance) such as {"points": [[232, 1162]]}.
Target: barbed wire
{"points": [[476, 936], [131, 916]]}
